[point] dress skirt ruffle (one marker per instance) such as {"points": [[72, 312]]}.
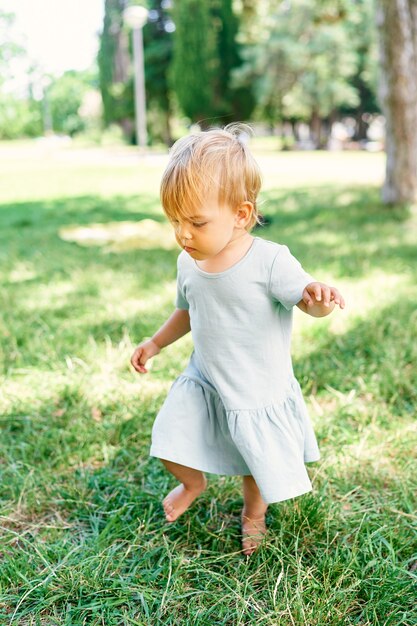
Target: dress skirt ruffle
{"points": [[271, 443]]}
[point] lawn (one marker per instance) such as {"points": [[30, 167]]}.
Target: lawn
{"points": [[83, 539]]}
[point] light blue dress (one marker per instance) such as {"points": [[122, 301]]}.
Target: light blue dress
{"points": [[237, 408]]}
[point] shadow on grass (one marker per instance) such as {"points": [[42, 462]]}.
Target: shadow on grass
{"points": [[375, 357], [52, 214], [347, 231]]}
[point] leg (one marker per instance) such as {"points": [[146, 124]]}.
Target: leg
{"points": [[193, 482], [253, 516]]}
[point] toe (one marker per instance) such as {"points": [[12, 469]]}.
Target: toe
{"points": [[253, 533], [248, 552], [167, 504], [247, 547], [169, 511], [170, 514]]}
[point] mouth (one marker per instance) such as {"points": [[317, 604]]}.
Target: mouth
{"points": [[187, 249]]}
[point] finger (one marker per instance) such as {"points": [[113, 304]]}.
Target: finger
{"points": [[335, 294], [326, 295], [317, 291], [337, 297], [307, 298], [138, 361], [141, 369], [135, 359]]}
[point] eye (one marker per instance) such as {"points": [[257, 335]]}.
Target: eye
{"points": [[198, 225]]}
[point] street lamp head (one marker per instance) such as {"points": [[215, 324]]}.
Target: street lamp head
{"points": [[135, 16]]}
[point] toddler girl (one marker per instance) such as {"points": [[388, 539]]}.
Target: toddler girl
{"points": [[237, 408]]}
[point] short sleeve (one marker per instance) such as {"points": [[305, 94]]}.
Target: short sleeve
{"points": [[180, 301], [287, 279]]}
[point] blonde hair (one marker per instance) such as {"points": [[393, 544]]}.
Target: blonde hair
{"points": [[216, 158]]}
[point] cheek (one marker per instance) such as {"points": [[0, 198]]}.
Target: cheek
{"points": [[178, 239]]}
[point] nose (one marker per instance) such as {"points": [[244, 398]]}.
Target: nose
{"points": [[183, 232]]}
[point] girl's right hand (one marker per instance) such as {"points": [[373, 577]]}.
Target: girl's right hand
{"points": [[143, 352]]}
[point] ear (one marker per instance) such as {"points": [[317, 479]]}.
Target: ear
{"points": [[243, 214]]}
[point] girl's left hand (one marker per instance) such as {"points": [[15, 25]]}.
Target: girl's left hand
{"points": [[320, 293]]}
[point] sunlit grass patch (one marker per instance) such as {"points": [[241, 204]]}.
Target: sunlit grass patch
{"points": [[121, 236]]}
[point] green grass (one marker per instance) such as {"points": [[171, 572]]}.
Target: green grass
{"points": [[82, 533]]}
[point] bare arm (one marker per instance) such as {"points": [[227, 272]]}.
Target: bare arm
{"points": [[176, 326]]}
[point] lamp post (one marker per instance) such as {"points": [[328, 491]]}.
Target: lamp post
{"points": [[48, 127], [136, 17]]}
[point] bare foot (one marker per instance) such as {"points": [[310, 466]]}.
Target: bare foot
{"points": [[253, 531], [179, 499]]}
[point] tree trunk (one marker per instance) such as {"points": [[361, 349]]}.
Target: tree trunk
{"points": [[397, 25], [315, 128], [121, 74], [361, 126], [167, 136]]}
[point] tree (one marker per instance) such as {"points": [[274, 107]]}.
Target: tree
{"points": [[194, 59], [361, 31], [301, 63], [397, 26], [65, 96], [114, 69], [8, 48], [19, 115], [205, 54], [232, 101], [158, 38]]}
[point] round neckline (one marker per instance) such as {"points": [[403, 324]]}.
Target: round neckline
{"points": [[229, 269]]}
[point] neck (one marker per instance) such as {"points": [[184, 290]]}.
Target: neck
{"points": [[238, 239], [234, 251]]}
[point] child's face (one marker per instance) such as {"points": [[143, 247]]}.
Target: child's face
{"points": [[208, 232]]}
